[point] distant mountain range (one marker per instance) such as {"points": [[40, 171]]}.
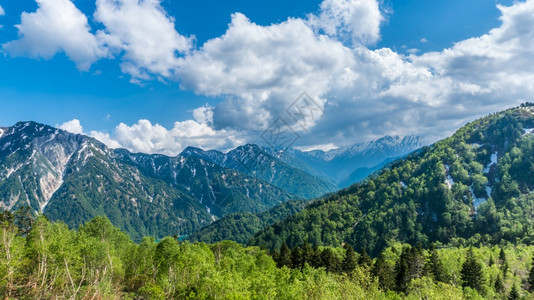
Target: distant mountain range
{"points": [[339, 167], [73, 178]]}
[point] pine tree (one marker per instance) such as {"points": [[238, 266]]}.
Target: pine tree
{"points": [[317, 260], [499, 285], [402, 271], [307, 253], [383, 272], [502, 257], [435, 266], [416, 263], [364, 260], [514, 293], [349, 262], [330, 261], [285, 257], [296, 258], [472, 272], [530, 278]]}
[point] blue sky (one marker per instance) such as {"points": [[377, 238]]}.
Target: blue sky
{"points": [[118, 82]]}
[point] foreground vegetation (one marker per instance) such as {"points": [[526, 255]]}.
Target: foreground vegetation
{"points": [[44, 260]]}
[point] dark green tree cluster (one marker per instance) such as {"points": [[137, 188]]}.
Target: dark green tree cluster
{"points": [[325, 257]]}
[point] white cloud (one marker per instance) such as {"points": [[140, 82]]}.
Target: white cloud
{"points": [[142, 30], [72, 126], [2, 12], [146, 137], [106, 139], [356, 21], [260, 70], [435, 93], [56, 26]]}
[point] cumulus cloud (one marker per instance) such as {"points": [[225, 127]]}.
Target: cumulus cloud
{"points": [[355, 21], [56, 26], [146, 137], [106, 139], [144, 33], [72, 126], [434, 93], [260, 70]]}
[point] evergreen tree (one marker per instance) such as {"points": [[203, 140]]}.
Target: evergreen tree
{"points": [[285, 257], [471, 272], [499, 285], [383, 272], [514, 293], [349, 262], [502, 257], [364, 259], [317, 260], [296, 258], [307, 253], [416, 263], [330, 260], [402, 271], [436, 268]]}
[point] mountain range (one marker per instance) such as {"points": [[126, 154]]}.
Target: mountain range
{"points": [[73, 178], [472, 188]]}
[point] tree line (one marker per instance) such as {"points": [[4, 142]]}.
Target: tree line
{"points": [[40, 259]]}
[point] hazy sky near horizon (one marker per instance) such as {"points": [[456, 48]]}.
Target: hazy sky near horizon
{"points": [[157, 76]]}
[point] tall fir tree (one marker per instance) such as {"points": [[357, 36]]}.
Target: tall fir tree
{"points": [[285, 257], [435, 266], [364, 259], [471, 272], [330, 260], [499, 285], [296, 258], [307, 253], [349, 262], [384, 273], [502, 257], [402, 270], [317, 259], [514, 293]]}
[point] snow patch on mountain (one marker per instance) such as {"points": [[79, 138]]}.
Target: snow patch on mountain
{"points": [[476, 201], [493, 161], [448, 180]]}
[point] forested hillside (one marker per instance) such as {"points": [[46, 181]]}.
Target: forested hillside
{"points": [[240, 227], [472, 188], [44, 260]]}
